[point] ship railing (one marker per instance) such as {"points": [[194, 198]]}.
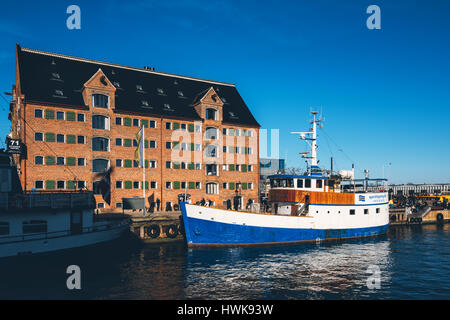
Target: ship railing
{"points": [[54, 200], [63, 233], [363, 185]]}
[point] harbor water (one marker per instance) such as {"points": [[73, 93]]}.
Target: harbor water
{"points": [[409, 262]]}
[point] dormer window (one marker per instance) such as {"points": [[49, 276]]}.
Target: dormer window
{"points": [[167, 107], [211, 114], [223, 100], [55, 76], [100, 100], [116, 84], [180, 94], [144, 103], [160, 91], [59, 93], [139, 87]]}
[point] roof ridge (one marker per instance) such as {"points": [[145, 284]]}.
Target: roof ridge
{"points": [[58, 55]]}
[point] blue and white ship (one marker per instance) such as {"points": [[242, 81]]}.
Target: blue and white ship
{"points": [[303, 208]]}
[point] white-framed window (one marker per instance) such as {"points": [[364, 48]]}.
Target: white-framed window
{"points": [[60, 115], [224, 167], [168, 184], [152, 163], [250, 185], [100, 144], [38, 113], [212, 188], [152, 124], [153, 185], [100, 100], [100, 122], [100, 165], [197, 166], [211, 114], [60, 184], [119, 184], [211, 133]]}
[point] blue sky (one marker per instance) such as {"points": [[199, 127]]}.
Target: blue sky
{"points": [[384, 93]]}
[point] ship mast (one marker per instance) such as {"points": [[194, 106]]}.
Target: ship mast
{"points": [[311, 138]]}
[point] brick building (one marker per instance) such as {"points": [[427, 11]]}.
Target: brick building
{"points": [[79, 117]]}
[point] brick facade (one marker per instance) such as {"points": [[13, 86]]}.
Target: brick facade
{"points": [[63, 135]]}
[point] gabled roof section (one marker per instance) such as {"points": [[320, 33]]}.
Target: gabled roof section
{"points": [[137, 90]]}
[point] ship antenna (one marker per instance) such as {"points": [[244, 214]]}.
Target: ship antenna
{"points": [[311, 138]]}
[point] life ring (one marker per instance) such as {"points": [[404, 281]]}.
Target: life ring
{"points": [[153, 231], [171, 231], [440, 217]]}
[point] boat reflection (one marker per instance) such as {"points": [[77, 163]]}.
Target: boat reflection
{"points": [[317, 271]]}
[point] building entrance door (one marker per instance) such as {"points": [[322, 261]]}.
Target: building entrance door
{"points": [[76, 222]]}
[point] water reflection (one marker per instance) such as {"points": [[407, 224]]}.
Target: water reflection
{"points": [[414, 263], [329, 271]]}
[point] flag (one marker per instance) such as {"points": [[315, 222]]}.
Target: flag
{"points": [[105, 184], [139, 153]]}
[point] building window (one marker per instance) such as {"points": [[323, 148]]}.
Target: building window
{"points": [[81, 161], [60, 161], [377, 210], [100, 122], [60, 138], [135, 122], [119, 184], [153, 185], [38, 113], [352, 212], [211, 169], [211, 151], [152, 163], [168, 125], [38, 136], [211, 188], [81, 139], [60, 184], [168, 164], [168, 145], [80, 117], [250, 185], [118, 142], [100, 144], [211, 133], [100, 165], [152, 143], [152, 124], [168, 185], [100, 205], [38, 160], [366, 211], [100, 100], [211, 114], [96, 187], [39, 184], [59, 115], [118, 121]]}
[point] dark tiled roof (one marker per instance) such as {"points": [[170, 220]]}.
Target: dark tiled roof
{"points": [[58, 79]]}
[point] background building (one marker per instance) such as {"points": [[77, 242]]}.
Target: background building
{"points": [[269, 166], [78, 118]]}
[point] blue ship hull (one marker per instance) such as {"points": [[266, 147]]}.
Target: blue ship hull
{"points": [[199, 232]]}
